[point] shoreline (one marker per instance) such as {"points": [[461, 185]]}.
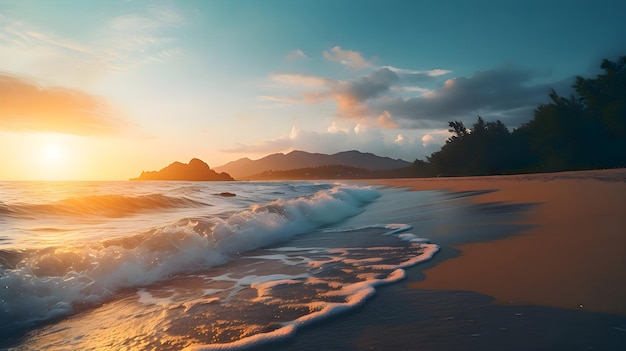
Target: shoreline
{"points": [[571, 254]]}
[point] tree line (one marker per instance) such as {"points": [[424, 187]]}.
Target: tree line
{"points": [[586, 130], [333, 172]]}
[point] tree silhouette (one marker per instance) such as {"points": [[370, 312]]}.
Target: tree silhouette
{"points": [[457, 129], [585, 130], [472, 152]]}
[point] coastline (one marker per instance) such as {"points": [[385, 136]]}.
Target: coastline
{"points": [[571, 254], [489, 214]]}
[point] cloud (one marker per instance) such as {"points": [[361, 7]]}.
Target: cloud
{"points": [[428, 73], [296, 54], [25, 106], [124, 42], [277, 101], [433, 139], [508, 93], [385, 120], [303, 80], [412, 90], [427, 139], [393, 97], [351, 96], [371, 85], [139, 37], [349, 58]]}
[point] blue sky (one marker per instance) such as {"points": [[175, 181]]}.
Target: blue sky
{"points": [[136, 85]]}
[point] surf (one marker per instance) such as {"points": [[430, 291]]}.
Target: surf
{"points": [[40, 285]]}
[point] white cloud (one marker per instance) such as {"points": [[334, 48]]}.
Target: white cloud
{"points": [[359, 128], [427, 139], [294, 133], [334, 128], [123, 42], [277, 101], [134, 38], [435, 138], [431, 73], [412, 89], [296, 55], [349, 58], [303, 80]]}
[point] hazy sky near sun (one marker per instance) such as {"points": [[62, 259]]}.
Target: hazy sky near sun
{"points": [[106, 89]]}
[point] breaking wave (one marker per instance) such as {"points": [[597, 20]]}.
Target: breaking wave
{"points": [[42, 284]]}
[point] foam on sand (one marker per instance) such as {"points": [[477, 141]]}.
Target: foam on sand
{"points": [[338, 280]]}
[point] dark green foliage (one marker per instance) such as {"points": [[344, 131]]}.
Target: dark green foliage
{"points": [[457, 129], [481, 150], [586, 130]]}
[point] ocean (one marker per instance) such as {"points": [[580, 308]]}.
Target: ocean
{"points": [[196, 265]]}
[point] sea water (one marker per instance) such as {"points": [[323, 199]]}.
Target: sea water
{"points": [[187, 265]]}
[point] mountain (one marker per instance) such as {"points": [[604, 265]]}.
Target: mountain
{"points": [[244, 168], [196, 169]]}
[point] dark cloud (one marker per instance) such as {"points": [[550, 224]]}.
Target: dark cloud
{"points": [[507, 93], [25, 106], [351, 96], [371, 85], [389, 98]]}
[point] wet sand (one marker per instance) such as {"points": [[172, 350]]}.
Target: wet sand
{"points": [[571, 255]]}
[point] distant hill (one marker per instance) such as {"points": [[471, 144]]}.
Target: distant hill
{"points": [[196, 170], [245, 168]]}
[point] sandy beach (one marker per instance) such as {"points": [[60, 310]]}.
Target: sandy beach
{"points": [[527, 262], [571, 255]]}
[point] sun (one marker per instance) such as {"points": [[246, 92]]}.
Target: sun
{"points": [[52, 153], [54, 158]]}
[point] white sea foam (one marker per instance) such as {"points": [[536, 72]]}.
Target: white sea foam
{"points": [[336, 298], [413, 238]]}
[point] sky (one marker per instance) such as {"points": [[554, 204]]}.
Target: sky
{"points": [[102, 90]]}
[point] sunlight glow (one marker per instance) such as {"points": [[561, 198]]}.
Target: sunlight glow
{"points": [[54, 157], [52, 154]]}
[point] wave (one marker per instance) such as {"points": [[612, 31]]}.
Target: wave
{"points": [[101, 205], [55, 281]]}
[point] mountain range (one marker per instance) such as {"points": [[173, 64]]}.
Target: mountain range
{"points": [[246, 168]]}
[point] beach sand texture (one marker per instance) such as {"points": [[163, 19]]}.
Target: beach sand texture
{"points": [[572, 255]]}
